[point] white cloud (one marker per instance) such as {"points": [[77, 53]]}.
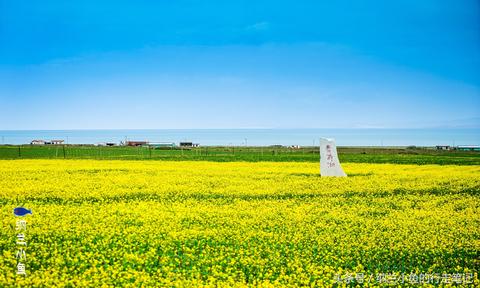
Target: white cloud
{"points": [[259, 26]]}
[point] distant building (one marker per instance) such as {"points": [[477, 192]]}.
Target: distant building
{"points": [[443, 147], [37, 142], [186, 144], [189, 144], [136, 143], [162, 144], [468, 147], [105, 144], [57, 142]]}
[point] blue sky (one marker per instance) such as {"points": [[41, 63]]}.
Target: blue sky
{"points": [[239, 64]]}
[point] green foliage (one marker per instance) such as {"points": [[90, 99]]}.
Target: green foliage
{"points": [[248, 154]]}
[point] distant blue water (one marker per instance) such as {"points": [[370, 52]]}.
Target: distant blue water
{"points": [[256, 137]]}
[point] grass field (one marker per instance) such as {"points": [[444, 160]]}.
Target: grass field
{"points": [[249, 154], [193, 223]]}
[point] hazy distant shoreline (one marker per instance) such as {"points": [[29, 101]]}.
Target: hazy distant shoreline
{"points": [[359, 137]]}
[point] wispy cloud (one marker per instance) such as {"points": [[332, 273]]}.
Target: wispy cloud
{"points": [[259, 26]]}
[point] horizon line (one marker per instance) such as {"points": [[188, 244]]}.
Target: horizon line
{"points": [[250, 128]]}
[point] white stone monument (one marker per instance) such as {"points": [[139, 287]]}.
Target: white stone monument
{"points": [[329, 163]]}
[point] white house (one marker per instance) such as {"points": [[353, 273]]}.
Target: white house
{"points": [[37, 142]]}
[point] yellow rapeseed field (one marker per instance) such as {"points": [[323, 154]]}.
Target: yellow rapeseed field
{"points": [[159, 223]]}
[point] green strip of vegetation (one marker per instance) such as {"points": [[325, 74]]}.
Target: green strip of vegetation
{"points": [[249, 154]]}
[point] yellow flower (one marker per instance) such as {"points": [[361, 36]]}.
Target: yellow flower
{"points": [[208, 224]]}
